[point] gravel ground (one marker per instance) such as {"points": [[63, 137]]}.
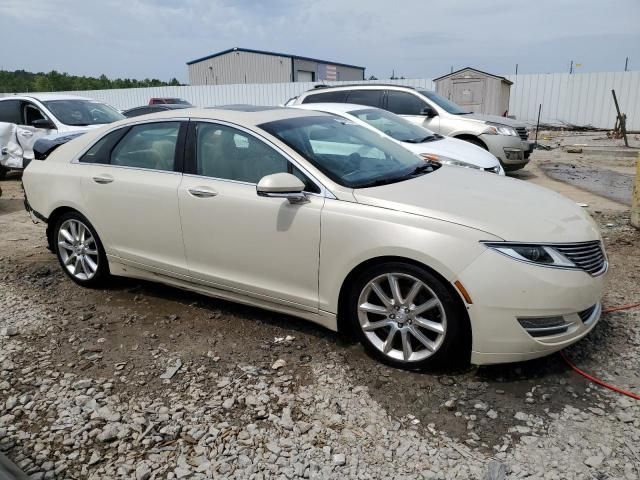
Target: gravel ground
{"points": [[147, 382]]}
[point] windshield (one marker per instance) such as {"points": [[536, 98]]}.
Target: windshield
{"points": [[349, 154], [394, 126], [80, 113], [447, 105]]}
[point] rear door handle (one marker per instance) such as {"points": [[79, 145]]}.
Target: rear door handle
{"points": [[102, 179], [202, 192]]}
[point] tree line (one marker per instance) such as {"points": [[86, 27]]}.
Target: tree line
{"points": [[21, 81]]}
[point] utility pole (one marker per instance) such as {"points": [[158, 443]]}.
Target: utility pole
{"points": [[516, 69], [571, 68], [626, 64]]}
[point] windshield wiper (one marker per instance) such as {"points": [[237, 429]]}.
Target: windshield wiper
{"points": [[426, 167], [428, 138]]}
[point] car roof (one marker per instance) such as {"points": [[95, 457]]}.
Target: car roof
{"points": [[242, 117], [45, 97], [360, 86], [334, 107], [161, 106]]}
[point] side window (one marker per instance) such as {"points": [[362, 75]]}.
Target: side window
{"points": [[151, 145], [31, 113], [403, 103], [226, 153], [101, 150], [10, 111], [371, 98], [326, 97]]}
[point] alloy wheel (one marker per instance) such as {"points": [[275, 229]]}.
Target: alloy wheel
{"points": [[78, 249], [402, 317]]}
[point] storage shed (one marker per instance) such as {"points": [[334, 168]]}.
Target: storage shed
{"points": [[479, 91], [244, 65]]}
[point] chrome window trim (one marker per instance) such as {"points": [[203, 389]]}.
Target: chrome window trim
{"points": [[324, 191]]}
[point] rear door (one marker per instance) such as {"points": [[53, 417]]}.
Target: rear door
{"points": [[10, 149], [130, 182]]}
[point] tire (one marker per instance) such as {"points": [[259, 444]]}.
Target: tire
{"points": [[417, 342], [3, 172], [80, 251]]}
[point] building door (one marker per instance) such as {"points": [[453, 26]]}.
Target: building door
{"points": [[305, 76], [468, 92]]}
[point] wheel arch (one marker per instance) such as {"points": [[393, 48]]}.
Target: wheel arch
{"points": [[343, 324], [53, 219], [471, 138]]}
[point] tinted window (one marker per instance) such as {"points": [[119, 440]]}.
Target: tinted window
{"points": [[151, 146], [31, 113], [372, 98], [101, 150], [326, 97], [10, 111], [403, 103], [349, 154], [230, 154]]}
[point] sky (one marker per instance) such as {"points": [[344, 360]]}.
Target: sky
{"points": [[413, 38]]}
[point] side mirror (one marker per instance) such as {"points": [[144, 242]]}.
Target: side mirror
{"points": [[282, 185], [428, 112], [43, 123]]}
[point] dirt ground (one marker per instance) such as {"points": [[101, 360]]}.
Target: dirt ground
{"points": [[128, 331]]}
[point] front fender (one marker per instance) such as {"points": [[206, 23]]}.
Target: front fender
{"points": [[353, 233]]}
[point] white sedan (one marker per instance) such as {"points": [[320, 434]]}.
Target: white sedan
{"points": [[426, 264], [424, 142]]}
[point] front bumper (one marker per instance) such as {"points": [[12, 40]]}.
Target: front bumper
{"points": [[508, 149], [519, 290]]}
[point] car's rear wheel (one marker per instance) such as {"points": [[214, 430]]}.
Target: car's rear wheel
{"points": [[3, 172], [406, 317], [80, 251]]}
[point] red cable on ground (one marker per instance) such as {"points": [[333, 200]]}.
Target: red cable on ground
{"points": [[597, 380]]}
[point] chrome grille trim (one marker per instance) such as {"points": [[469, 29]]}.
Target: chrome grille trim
{"points": [[588, 256]]}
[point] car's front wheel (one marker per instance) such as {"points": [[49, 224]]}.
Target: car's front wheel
{"points": [[80, 251], [406, 317]]}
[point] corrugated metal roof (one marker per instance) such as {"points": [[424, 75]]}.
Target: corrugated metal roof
{"points": [[275, 54]]}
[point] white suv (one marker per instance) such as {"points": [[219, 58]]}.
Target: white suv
{"points": [[25, 118], [504, 137]]}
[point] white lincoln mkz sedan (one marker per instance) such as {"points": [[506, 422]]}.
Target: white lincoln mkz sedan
{"points": [[308, 214]]}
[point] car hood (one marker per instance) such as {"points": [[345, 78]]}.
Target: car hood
{"points": [[457, 149], [510, 122], [504, 207]]}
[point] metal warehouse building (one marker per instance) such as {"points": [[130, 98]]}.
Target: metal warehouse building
{"points": [[242, 65]]}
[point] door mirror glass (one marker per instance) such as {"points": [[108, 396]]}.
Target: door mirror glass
{"points": [[428, 112], [43, 123], [282, 185]]}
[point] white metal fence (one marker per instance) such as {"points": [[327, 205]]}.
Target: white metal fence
{"points": [[577, 99]]}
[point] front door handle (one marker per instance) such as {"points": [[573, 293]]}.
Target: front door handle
{"points": [[26, 133], [102, 179], [202, 192]]}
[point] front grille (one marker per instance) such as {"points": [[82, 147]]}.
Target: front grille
{"points": [[522, 133], [588, 256]]}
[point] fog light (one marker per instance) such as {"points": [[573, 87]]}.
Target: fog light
{"points": [[514, 154]]}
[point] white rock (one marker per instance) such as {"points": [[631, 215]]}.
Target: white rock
{"points": [[278, 364]]}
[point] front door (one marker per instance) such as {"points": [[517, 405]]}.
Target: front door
{"points": [[130, 186], [410, 106], [237, 240], [27, 132]]}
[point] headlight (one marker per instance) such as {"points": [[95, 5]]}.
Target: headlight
{"points": [[531, 253], [448, 161], [498, 129]]}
